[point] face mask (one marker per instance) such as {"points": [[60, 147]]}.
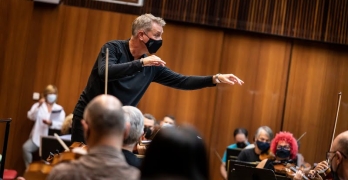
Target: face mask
{"points": [[51, 98], [153, 45], [241, 145], [334, 173], [263, 146], [148, 132], [282, 153]]}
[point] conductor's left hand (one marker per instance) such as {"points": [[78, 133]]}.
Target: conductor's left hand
{"points": [[230, 79]]}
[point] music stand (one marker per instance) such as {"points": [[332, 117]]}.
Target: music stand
{"points": [[51, 144], [232, 154], [7, 132], [238, 171]]}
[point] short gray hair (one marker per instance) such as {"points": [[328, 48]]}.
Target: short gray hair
{"points": [[144, 22], [267, 130], [136, 119]]}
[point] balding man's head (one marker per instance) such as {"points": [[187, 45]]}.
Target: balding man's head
{"points": [[104, 115], [341, 143]]}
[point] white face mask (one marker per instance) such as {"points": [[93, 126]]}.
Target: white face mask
{"points": [[51, 98]]}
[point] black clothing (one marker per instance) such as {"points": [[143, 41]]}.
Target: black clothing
{"points": [[131, 158], [248, 155], [128, 80]]}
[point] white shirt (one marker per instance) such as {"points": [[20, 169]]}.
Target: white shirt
{"points": [[38, 114]]}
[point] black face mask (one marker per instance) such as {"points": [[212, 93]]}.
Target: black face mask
{"points": [[147, 132], [282, 153], [241, 145], [153, 45], [334, 173], [263, 146]]}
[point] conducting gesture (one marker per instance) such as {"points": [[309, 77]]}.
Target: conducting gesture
{"points": [[227, 78], [152, 61]]}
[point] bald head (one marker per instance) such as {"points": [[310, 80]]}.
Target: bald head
{"points": [[104, 115], [341, 143]]}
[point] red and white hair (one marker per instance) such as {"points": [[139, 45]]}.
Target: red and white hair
{"points": [[287, 137]]}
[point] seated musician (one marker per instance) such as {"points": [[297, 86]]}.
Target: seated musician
{"points": [[136, 120], [263, 137], [284, 146], [241, 138], [104, 128], [336, 166]]}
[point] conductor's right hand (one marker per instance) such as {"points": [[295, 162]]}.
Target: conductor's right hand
{"points": [[153, 61]]}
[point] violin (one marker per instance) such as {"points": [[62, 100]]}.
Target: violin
{"points": [[267, 155], [40, 170], [288, 169]]}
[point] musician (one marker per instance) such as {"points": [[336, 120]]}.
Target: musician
{"points": [[130, 70], [263, 137], [337, 160], [168, 120], [136, 120], [241, 138], [104, 129], [47, 114], [284, 147]]}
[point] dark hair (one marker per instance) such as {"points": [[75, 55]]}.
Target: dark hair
{"points": [[149, 116], [240, 131], [171, 117], [176, 152]]}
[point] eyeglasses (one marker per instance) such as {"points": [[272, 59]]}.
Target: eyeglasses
{"points": [[333, 152], [283, 147]]}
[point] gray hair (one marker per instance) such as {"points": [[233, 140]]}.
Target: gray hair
{"points": [[105, 115], [136, 119], [267, 130], [144, 22]]}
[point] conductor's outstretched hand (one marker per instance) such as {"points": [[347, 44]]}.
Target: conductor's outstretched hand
{"points": [[229, 79]]}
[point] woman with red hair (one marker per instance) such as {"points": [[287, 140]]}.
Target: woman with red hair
{"points": [[284, 147]]}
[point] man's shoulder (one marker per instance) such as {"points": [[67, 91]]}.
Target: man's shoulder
{"points": [[62, 170]]}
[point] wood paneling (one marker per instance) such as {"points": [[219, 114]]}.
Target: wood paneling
{"points": [[262, 63], [319, 20], [288, 86], [317, 74]]}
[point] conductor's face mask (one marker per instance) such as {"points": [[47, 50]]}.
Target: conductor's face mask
{"points": [[153, 45]]}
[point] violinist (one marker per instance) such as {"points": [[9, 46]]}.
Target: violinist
{"points": [[104, 128], [337, 160], [241, 138], [263, 137], [284, 147]]}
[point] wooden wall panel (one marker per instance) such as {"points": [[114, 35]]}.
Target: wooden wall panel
{"points": [[318, 73], [196, 52], [59, 44], [262, 63]]}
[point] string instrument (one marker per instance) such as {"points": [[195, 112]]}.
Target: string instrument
{"points": [[267, 155], [288, 169], [325, 173], [40, 170]]}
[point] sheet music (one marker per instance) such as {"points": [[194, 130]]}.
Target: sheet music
{"points": [[55, 115]]}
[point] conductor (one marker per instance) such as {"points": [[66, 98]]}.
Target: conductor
{"points": [[130, 70]]}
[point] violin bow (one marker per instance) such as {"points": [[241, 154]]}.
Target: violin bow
{"points": [[338, 110], [217, 154], [301, 136], [61, 142], [106, 70]]}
